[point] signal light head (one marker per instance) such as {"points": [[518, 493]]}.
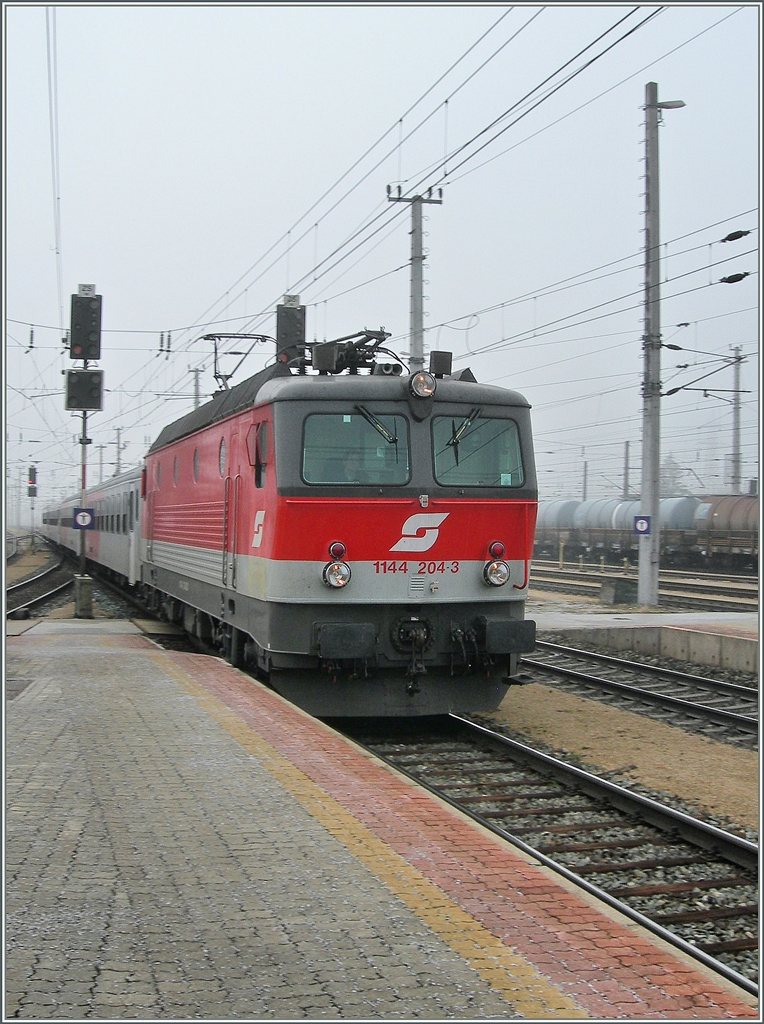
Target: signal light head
{"points": [[337, 549], [423, 384], [496, 549], [336, 574]]}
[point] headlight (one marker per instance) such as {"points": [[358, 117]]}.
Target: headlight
{"points": [[496, 573], [336, 574], [423, 384]]}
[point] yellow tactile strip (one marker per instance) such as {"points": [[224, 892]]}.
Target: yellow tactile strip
{"points": [[592, 965]]}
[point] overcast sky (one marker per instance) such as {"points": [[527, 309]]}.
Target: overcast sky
{"points": [[202, 161]]}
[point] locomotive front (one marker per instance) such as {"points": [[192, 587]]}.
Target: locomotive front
{"points": [[394, 559]]}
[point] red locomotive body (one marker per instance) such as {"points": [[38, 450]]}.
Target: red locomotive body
{"points": [[365, 545]]}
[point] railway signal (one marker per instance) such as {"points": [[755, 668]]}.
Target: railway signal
{"points": [[290, 329], [84, 390], [85, 329], [32, 482]]}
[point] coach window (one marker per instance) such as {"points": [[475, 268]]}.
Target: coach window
{"points": [[124, 512], [196, 464], [359, 447], [476, 451], [131, 520], [221, 456]]}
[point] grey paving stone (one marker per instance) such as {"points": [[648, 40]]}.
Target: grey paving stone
{"points": [[157, 869]]}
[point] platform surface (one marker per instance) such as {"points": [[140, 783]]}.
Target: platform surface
{"points": [[182, 843], [548, 616]]}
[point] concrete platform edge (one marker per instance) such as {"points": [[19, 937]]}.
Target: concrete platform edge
{"points": [[702, 647]]}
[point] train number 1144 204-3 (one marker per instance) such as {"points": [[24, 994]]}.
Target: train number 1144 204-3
{"points": [[421, 568]]}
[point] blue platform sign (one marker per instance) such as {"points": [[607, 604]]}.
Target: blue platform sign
{"points": [[83, 518], [642, 525]]}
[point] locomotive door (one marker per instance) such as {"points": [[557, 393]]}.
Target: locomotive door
{"points": [[231, 503], [149, 525]]}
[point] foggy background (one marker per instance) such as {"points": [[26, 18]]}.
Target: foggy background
{"points": [[198, 163]]}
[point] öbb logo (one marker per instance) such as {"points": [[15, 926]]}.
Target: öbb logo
{"points": [[420, 531]]}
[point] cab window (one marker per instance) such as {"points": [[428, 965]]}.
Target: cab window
{"points": [[473, 450], [358, 447]]}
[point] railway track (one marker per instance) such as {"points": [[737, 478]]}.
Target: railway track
{"points": [[27, 594], [692, 884], [721, 710], [676, 589]]}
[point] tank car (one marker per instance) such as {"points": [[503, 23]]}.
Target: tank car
{"points": [[716, 532], [360, 536]]}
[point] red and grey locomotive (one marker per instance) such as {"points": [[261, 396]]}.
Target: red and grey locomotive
{"points": [[360, 536]]}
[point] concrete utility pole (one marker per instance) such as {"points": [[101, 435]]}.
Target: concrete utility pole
{"points": [[650, 543], [736, 423], [416, 342]]}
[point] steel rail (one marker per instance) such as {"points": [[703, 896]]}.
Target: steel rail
{"points": [[31, 579], [716, 715], [734, 689], [741, 851], [39, 600]]}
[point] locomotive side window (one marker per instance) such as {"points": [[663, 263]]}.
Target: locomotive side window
{"points": [[196, 464], [221, 456], [261, 454], [476, 451], [356, 447]]}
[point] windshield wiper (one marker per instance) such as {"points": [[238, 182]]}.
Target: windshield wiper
{"points": [[458, 432], [378, 426]]}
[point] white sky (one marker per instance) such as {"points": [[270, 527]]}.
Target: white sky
{"points": [[212, 158]]}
